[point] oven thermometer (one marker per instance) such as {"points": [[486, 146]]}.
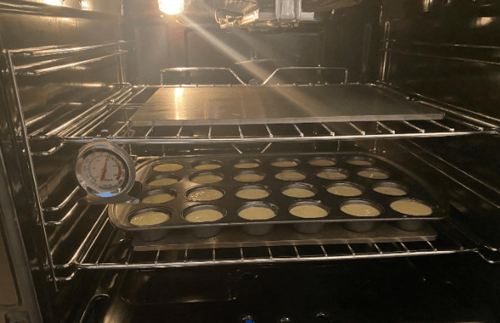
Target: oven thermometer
{"points": [[106, 172]]}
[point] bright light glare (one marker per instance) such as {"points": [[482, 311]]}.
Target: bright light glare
{"points": [[171, 7], [53, 2], [84, 4]]}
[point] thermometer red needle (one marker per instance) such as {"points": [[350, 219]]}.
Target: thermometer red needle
{"points": [[104, 169]]}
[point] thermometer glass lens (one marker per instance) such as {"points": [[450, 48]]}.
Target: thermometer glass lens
{"points": [[104, 173]]}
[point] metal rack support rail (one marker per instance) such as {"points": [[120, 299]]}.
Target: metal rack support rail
{"points": [[42, 71], [197, 69], [242, 138], [270, 259], [28, 69], [317, 68], [370, 250], [79, 260], [59, 50], [468, 125], [38, 203]]}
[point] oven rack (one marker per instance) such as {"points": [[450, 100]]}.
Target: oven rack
{"points": [[106, 248], [109, 120], [36, 61]]}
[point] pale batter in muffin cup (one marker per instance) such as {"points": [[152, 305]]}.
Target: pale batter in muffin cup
{"points": [[391, 189], [299, 190], [360, 161], [411, 208], [253, 192], [258, 211], [361, 209], [373, 173], [285, 162], [246, 164], [204, 213], [206, 178], [207, 165], [345, 189], [322, 162], [290, 176], [309, 210], [249, 176], [149, 218], [163, 180], [332, 174], [204, 194], [165, 167], [158, 196]]}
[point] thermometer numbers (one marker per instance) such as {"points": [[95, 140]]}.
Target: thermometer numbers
{"points": [[104, 173]]}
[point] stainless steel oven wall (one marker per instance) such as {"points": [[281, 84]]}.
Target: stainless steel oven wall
{"points": [[162, 42], [352, 40], [32, 98], [448, 51]]}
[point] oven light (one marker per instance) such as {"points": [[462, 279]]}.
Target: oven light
{"points": [[84, 4], [171, 7], [54, 2]]}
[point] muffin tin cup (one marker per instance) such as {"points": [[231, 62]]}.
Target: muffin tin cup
{"points": [[161, 175], [360, 188], [411, 225], [203, 188], [244, 172], [199, 174], [302, 186], [363, 223], [262, 227], [247, 187], [179, 167], [158, 191], [284, 171], [309, 227], [361, 160], [391, 185], [313, 227], [331, 161], [386, 173], [319, 172], [258, 229], [418, 190], [153, 232], [277, 160], [200, 163], [360, 226], [204, 229], [414, 225], [206, 232], [245, 161]]}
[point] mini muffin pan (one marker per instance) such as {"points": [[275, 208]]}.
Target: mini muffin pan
{"points": [[398, 177]]}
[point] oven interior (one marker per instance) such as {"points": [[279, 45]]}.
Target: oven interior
{"points": [[76, 72]]}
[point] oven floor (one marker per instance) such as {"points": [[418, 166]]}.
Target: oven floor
{"points": [[399, 290]]}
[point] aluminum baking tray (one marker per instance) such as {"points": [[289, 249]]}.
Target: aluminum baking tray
{"points": [[285, 235], [229, 204], [239, 105]]}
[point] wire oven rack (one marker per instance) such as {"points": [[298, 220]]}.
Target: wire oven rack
{"points": [[109, 120], [107, 248]]}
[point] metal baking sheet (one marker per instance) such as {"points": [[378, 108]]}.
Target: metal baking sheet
{"points": [[120, 214], [285, 235], [238, 105]]}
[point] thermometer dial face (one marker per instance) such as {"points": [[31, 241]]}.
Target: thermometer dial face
{"points": [[104, 173], [104, 170]]}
